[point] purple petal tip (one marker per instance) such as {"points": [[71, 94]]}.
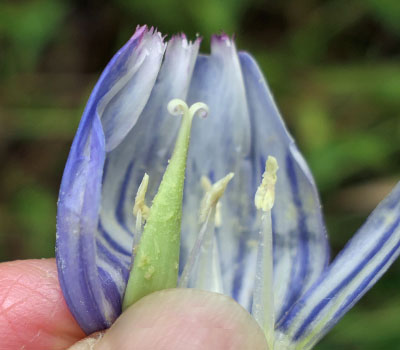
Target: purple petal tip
{"points": [[139, 32], [222, 38], [183, 38], [144, 29]]}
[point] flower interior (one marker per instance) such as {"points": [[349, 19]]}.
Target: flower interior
{"points": [[221, 218]]}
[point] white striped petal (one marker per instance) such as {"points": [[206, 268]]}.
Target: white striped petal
{"points": [[220, 145], [354, 271], [110, 153], [300, 244]]}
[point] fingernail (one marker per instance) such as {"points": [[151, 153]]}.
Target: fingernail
{"points": [[88, 343]]}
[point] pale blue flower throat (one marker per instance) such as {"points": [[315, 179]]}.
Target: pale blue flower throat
{"points": [[157, 238]]}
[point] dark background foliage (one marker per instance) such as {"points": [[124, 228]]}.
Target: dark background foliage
{"points": [[332, 65]]}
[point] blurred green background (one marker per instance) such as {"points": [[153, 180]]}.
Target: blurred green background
{"points": [[334, 67]]}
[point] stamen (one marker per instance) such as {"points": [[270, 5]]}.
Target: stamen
{"points": [[265, 195], [206, 184], [202, 269], [140, 202], [212, 195], [154, 268], [140, 211], [218, 215], [263, 295]]}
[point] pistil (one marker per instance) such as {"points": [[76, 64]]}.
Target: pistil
{"points": [[156, 259]]}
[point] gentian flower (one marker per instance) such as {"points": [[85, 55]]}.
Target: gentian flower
{"points": [[271, 256]]}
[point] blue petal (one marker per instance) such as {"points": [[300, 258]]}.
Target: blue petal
{"points": [[76, 221], [301, 249], [92, 286], [354, 271], [122, 104]]}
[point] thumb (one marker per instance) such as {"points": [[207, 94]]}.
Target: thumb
{"points": [[181, 319]]}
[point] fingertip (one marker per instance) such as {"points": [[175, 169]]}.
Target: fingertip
{"points": [[182, 319], [33, 313]]}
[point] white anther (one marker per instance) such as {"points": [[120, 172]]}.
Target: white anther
{"points": [[218, 215], [207, 186], [206, 183], [140, 208], [265, 195], [212, 196]]}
